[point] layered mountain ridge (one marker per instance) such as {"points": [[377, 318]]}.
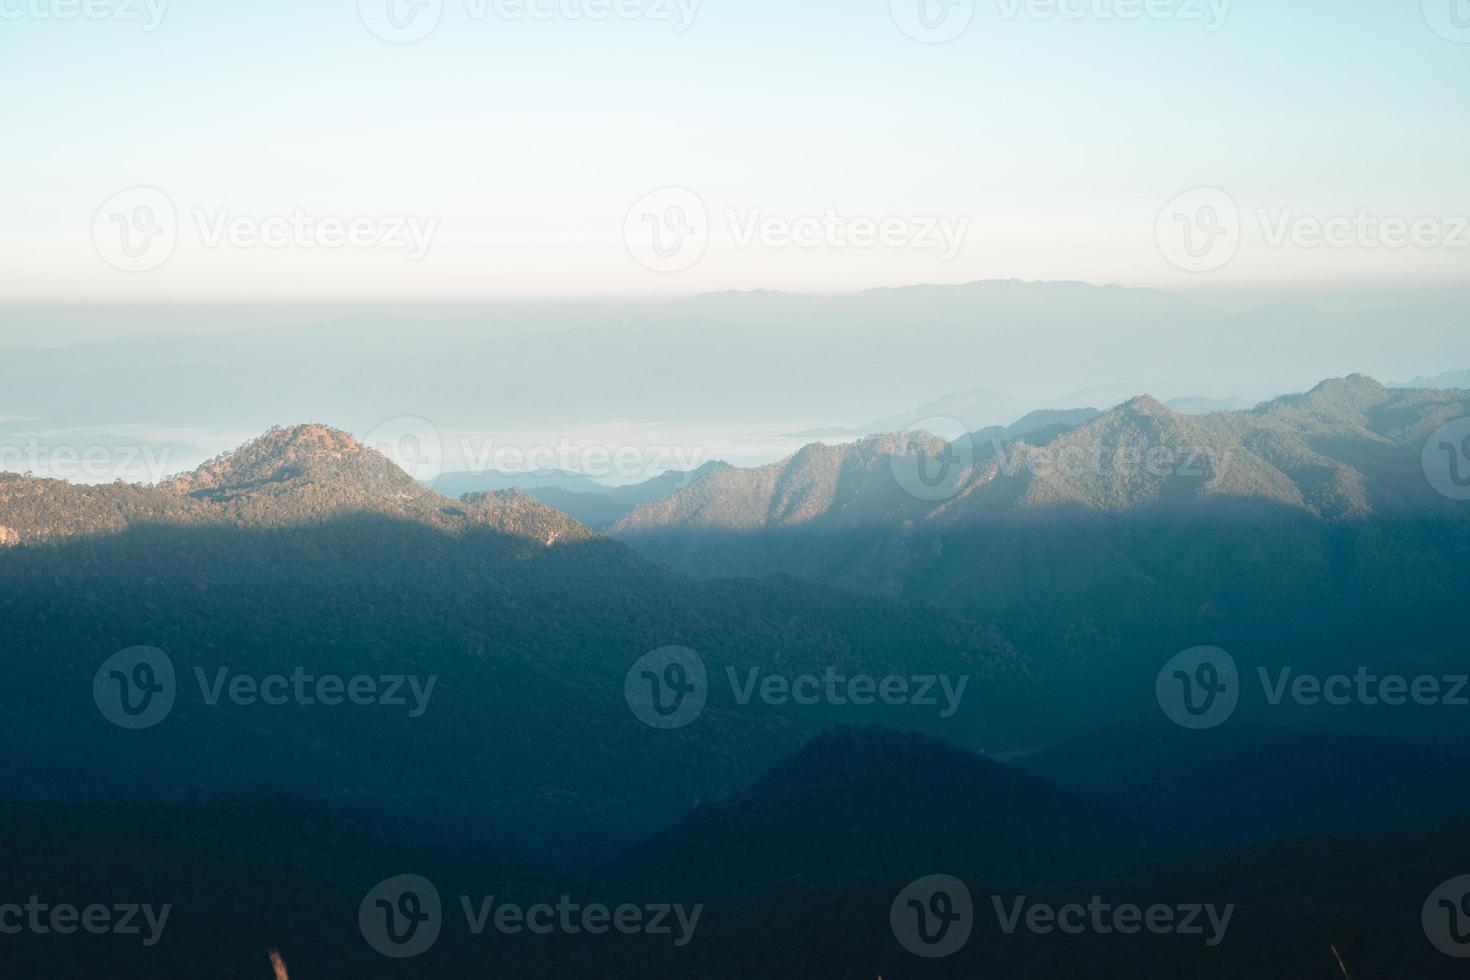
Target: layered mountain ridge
{"points": [[1325, 451], [1304, 531], [305, 551]]}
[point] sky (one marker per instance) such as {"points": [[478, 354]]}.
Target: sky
{"points": [[158, 150]]}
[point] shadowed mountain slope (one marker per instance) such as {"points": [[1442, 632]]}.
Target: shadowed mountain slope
{"points": [[306, 553], [1303, 531], [1233, 785], [869, 805]]}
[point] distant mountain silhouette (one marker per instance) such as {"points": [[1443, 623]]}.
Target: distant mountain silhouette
{"points": [[592, 504], [1448, 379], [1203, 406], [844, 358], [457, 484]]}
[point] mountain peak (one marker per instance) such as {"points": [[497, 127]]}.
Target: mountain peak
{"points": [[284, 453], [930, 800], [1357, 383], [310, 437], [1349, 396], [1145, 405]]}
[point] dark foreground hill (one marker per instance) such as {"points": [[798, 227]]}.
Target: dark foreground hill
{"points": [[244, 875], [859, 806]]}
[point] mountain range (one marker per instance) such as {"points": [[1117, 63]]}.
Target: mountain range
{"points": [[1047, 564], [306, 549], [1303, 531], [591, 503]]}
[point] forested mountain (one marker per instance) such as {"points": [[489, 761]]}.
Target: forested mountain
{"points": [[1303, 531], [297, 476], [306, 552], [515, 762], [1348, 448]]}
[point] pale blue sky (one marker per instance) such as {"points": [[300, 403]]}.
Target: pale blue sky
{"points": [[1057, 140]]}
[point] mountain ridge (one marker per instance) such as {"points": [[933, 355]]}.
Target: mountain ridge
{"points": [[1275, 450], [289, 475]]}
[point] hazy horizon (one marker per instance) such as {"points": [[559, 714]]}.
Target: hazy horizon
{"points": [[672, 148]]}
